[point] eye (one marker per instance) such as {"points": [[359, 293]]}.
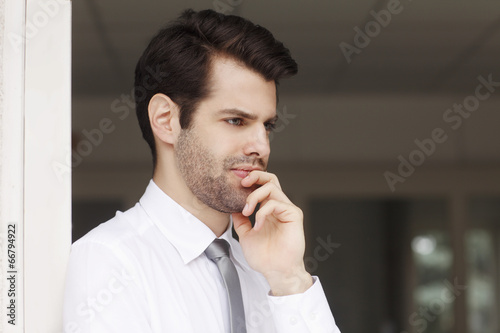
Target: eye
{"points": [[235, 121], [270, 126]]}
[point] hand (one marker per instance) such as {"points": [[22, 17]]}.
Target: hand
{"points": [[275, 245]]}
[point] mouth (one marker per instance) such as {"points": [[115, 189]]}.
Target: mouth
{"points": [[242, 172]]}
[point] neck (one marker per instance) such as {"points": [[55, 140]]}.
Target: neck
{"points": [[174, 186]]}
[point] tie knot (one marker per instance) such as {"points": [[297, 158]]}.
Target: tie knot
{"points": [[218, 249]]}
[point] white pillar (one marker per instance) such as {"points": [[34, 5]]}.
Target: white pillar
{"points": [[11, 165], [36, 136]]}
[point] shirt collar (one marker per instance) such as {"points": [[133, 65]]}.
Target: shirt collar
{"points": [[184, 231]]}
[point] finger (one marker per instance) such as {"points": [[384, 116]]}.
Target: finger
{"points": [[263, 193], [281, 211], [241, 224], [260, 178]]}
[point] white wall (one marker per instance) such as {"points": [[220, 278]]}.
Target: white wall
{"points": [[35, 130], [11, 167]]}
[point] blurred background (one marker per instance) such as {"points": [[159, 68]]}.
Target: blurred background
{"points": [[389, 140]]}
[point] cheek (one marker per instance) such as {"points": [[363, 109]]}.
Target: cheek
{"points": [[225, 147], [223, 141]]}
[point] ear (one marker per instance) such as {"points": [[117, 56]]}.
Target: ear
{"points": [[164, 118]]}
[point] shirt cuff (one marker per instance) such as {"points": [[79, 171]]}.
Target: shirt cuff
{"points": [[306, 312]]}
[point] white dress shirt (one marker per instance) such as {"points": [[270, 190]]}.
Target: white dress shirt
{"points": [[145, 271]]}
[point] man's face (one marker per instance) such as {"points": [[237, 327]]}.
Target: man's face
{"points": [[228, 137]]}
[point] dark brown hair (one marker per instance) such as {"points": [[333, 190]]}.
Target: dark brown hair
{"points": [[177, 61]]}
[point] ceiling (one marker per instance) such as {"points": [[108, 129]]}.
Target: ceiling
{"points": [[427, 46]]}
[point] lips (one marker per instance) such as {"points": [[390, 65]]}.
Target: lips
{"points": [[242, 172]]}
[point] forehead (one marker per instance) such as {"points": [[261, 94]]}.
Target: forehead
{"points": [[234, 86]]}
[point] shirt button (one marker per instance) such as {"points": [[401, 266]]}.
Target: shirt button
{"points": [[293, 320], [314, 316]]}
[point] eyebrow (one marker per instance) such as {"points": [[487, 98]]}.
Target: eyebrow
{"points": [[243, 114]]}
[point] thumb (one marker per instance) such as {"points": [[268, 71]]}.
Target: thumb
{"points": [[241, 224]]}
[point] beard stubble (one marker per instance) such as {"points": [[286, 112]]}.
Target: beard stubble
{"points": [[208, 178]]}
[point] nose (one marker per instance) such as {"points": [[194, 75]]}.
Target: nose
{"points": [[258, 143]]}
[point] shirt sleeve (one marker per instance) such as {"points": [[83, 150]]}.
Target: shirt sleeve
{"points": [[102, 292], [302, 313]]}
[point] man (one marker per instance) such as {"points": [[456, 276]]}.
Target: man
{"points": [[206, 102]]}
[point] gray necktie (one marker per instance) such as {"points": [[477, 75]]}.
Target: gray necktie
{"points": [[218, 252]]}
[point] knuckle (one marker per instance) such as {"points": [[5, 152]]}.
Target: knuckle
{"points": [[261, 213], [271, 202], [270, 186]]}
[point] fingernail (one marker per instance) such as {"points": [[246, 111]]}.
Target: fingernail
{"points": [[245, 208]]}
